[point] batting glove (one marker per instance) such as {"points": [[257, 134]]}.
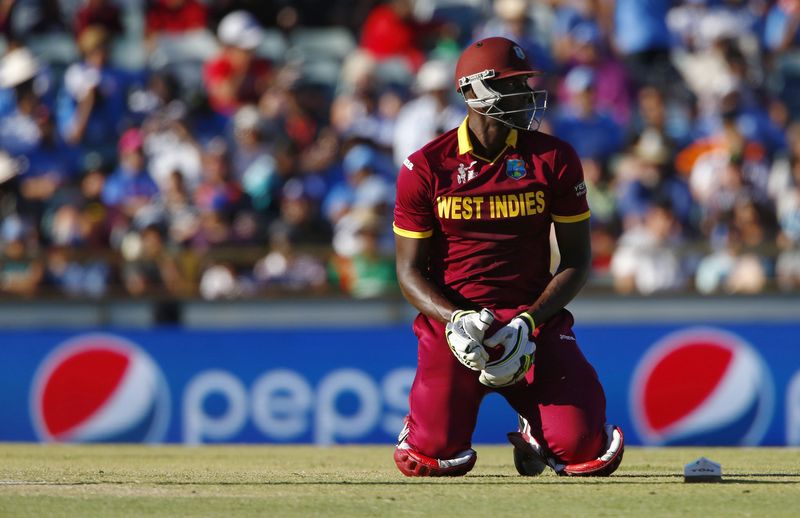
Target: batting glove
{"points": [[518, 353], [464, 335]]}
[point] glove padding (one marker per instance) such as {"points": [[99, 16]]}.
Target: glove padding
{"points": [[464, 335], [518, 353]]}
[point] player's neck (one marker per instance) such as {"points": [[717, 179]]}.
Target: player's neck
{"points": [[488, 136]]}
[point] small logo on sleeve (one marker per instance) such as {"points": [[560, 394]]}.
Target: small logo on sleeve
{"points": [[408, 164], [515, 168], [580, 189]]}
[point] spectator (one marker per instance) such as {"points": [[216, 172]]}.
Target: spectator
{"points": [[237, 76], [593, 134], [99, 13], [130, 186], [50, 166], [602, 202], [661, 118], [300, 220], [248, 142], [368, 272], [732, 190], [180, 215], [599, 193], [511, 20], [647, 259], [173, 17], [430, 114], [567, 15], [390, 31], [149, 269], [741, 267], [285, 268], [363, 191], [728, 145], [645, 178], [157, 99], [788, 261], [642, 38], [20, 274], [781, 26], [176, 38], [221, 281], [9, 169], [96, 220], [363, 112], [308, 163], [612, 93], [214, 230], [171, 146], [92, 102], [19, 20], [19, 133], [363, 187], [218, 192], [64, 227], [63, 274]]}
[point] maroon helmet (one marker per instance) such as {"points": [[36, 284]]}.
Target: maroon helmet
{"points": [[496, 58]]}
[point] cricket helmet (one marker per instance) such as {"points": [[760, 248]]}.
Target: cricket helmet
{"points": [[491, 59]]}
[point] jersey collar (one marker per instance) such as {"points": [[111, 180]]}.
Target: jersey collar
{"points": [[465, 144]]}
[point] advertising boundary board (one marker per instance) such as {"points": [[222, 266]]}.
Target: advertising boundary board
{"points": [[666, 383]]}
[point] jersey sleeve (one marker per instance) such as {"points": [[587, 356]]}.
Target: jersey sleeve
{"points": [[569, 203], [413, 208]]}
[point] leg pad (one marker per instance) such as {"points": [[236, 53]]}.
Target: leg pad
{"points": [[607, 463], [414, 464], [531, 459]]}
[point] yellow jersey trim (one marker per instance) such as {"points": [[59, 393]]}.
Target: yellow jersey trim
{"points": [[465, 144], [571, 219], [411, 233]]}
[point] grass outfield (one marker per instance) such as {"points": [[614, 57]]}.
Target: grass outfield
{"points": [[131, 480]]}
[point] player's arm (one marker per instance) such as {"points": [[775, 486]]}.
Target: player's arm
{"points": [[412, 265], [575, 247], [465, 328], [518, 348]]}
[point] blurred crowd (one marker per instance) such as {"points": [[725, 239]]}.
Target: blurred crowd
{"points": [[240, 148]]}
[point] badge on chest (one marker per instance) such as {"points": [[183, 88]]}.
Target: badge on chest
{"points": [[515, 168]]}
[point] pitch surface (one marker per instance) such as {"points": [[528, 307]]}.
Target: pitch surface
{"points": [[233, 481]]}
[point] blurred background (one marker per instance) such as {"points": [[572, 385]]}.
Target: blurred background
{"points": [[186, 149], [196, 203]]}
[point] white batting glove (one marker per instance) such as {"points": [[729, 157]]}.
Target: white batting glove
{"points": [[518, 353], [464, 335]]}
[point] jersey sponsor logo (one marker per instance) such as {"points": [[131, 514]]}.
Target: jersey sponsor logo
{"points": [[409, 165], [99, 388], [515, 168], [465, 172], [494, 206], [702, 386], [580, 189]]}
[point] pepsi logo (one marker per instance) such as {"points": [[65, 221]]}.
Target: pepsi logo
{"points": [[701, 386], [99, 388]]}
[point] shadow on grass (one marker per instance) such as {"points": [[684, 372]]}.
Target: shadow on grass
{"points": [[502, 479]]}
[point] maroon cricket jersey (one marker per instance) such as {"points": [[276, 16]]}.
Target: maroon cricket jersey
{"points": [[489, 219]]}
